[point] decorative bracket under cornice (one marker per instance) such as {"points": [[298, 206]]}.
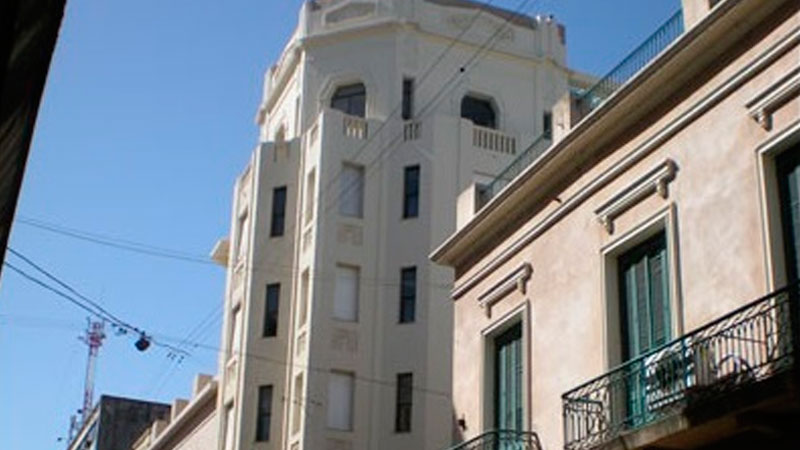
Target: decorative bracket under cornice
{"points": [[515, 280], [766, 102], [655, 180]]}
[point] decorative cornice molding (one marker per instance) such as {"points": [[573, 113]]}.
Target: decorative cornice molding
{"points": [[513, 281], [653, 181], [761, 107]]}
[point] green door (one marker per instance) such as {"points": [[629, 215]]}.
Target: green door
{"points": [[646, 321], [508, 380], [789, 180]]}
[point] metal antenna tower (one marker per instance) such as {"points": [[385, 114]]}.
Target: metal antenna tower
{"points": [[94, 340]]}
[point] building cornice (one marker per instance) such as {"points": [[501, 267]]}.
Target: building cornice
{"points": [[626, 106]]}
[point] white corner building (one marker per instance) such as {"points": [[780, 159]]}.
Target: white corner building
{"points": [[338, 331]]}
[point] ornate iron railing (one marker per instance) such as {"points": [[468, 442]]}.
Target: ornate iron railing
{"points": [[502, 440], [632, 64], [539, 145], [748, 345]]}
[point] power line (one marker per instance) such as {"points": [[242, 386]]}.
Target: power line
{"points": [[101, 314]]}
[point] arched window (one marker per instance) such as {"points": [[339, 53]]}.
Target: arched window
{"points": [[479, 111], [350, 99]]}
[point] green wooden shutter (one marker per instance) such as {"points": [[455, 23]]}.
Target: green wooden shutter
{"points": [[645, 297], [508, 380], [789, 181]]}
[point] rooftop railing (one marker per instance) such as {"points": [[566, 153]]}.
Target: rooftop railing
{"points": [[632, 64], [516, 167], [502, 440], [748, 345]]}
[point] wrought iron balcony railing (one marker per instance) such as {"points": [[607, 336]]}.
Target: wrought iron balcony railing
{"points": [[632, 64], [516, 167], [748, 345], [502, 440]]}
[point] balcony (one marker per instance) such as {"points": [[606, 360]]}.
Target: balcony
{"points": [[502, 440], [707, 382], [522, 161]]}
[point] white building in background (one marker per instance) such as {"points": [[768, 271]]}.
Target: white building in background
{"points": [[338, 330]]}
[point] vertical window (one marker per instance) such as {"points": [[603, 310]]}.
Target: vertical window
{"points": [[479, 111], [271, 310], [297, 117], [341, 388], [547, 124], [264, 418], [345, 303], [229, 427], [411, 192], [351, 99], [305, 295], [311, 184], [645, 297], [297, 403], [351, 191], [508, 379], [408, 98], [242, 236], [405, 391], [408, 294], [788, 165], [236, 333], [278, 211]]}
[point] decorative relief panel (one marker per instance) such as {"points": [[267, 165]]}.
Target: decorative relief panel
{"points": [[339, 444], [350, 12], [344, 340], [350, 234]]}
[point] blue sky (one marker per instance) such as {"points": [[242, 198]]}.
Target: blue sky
{"points": [[146, 120]]}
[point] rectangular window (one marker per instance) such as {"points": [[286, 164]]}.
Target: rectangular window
{"points": [[405, 391], [351, 190], [788, 166], [271, 310], [236, 333], [408, 294], [547, 124], [411, 192], [341, 389], [305, 294], [311, 183], [644, 291], [229, 427], [242, 236], [297, 403], [278, 211], [345, 299], [408, 98], [264, 419]]}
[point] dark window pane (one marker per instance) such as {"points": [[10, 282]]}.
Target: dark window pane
{"points": [[408, 294], [547, 124], [264, 418], [271, 310], [411, 192], [405, 395], [408, 98], [351, 99], [789, 185], [278, 211], [479, 111]]}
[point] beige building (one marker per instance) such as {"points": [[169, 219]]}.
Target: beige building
{"points": [[337, 329], [191, 425], [625, 289]]}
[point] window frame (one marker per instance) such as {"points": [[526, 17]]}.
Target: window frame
{"points": [[409, 194], [277, 225], [404, 403], [268, 330], [353, 188], [470, 100], [407, 110], [408, 299], [264, 414], [351, 105]]}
